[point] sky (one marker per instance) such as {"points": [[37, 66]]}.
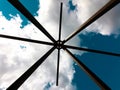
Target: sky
{"points": [[17, 56]]}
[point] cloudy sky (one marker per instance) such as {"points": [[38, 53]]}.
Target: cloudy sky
{"points": [[17, 56]]}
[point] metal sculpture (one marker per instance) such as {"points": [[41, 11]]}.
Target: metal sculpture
{"points": [[60, 44]]}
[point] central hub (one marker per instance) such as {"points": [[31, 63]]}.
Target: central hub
{"points": [[59, 44]]}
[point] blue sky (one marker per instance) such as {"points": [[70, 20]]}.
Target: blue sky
{"points": [[105, 66], [7, 9]]}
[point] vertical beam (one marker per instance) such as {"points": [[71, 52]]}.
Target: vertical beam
{"points": [[97, 15], [58, 66], [29, 16], [92, 75], [28, 73], [60, 23], [59, 47]]}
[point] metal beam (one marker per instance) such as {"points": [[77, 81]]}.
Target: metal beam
{"points": [[58, 65], [28, 73], [29, 16], [25, 39], [92, 75], [92, 50], [59, 41], [60, 23], [102, 11]]}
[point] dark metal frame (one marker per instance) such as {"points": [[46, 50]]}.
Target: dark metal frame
{"points": [[58, 44]]}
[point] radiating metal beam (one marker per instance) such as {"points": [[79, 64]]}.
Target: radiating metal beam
{"points": [[29, 16], [92, 50], [58, 65], [92, 75], [60, 23], [59, 41], [28, 73], [102, 11], [25, 39]]}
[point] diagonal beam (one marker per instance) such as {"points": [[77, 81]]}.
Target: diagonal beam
{"points": [[92, 75], [92, 50], [25, 39], [27, 74], [29, 16], [102, 11]]}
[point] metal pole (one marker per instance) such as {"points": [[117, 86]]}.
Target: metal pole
{"points": [[92, 50], [58, 65], [25, 39], [60, 23], [59, 47]]}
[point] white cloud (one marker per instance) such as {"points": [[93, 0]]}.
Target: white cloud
{"points": [[106, 25], [87, 8], [110, 22], [50, 16]]}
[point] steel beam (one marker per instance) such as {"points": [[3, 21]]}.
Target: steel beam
{"points": [[92, 50], [58, 66], [59, 47], [25, 39], [60, 23]]}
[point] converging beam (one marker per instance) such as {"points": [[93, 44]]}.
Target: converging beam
{"points": [[92, 75], [59, 41], [92, 50], [60, 23], [28, 73], [58, 66], [97, 15], [29, 16], [25, 39]]}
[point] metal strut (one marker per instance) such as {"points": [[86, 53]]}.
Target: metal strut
{"points": [[27, 40], [59, 45], [92, 50]]}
